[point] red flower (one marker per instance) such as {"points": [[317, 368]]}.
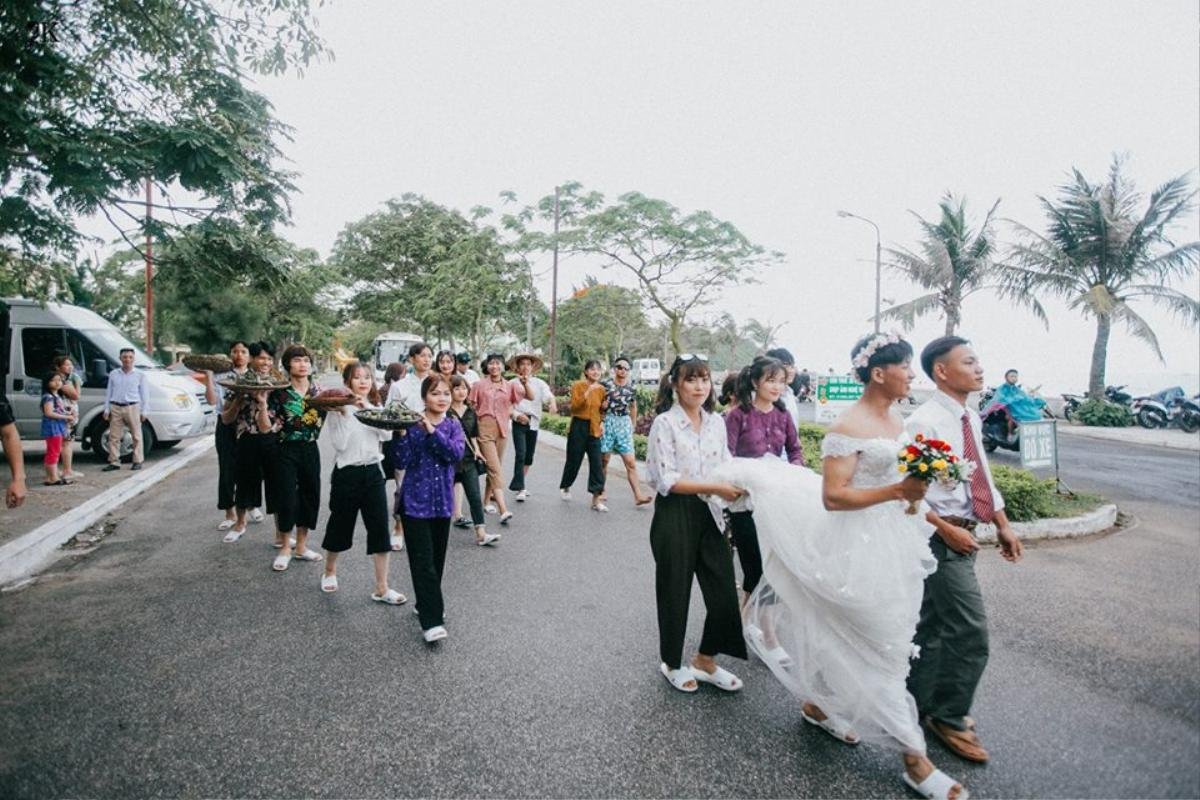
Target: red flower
{"points": [[913, 451]]}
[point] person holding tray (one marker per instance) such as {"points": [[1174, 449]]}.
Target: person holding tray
{"points": [[428, 452], [298, 470]]}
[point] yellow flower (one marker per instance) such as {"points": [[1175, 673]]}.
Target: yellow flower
{"points": [[909, 457], [923, 467], [939, 465], [903, 468]]}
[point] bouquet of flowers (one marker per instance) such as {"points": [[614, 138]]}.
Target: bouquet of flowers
{"points": [[931, 460]]}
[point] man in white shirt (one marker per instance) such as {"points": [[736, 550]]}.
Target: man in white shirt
{"points": [[408, 388], [462, 364], [952, 632], [125, 406], [526, 417]]}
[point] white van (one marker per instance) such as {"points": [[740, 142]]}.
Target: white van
{"points": [[389, 347], [645, 371], [32, 333]]}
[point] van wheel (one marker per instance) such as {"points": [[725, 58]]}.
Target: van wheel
{"points": [[100, 441]]}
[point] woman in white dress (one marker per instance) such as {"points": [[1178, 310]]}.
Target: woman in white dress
{"points": [[844, 567]]}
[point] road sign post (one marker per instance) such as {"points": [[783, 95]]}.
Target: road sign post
{"points": [[1039, 447], [835, 393]]}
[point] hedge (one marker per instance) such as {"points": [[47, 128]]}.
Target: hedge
{"points": [[1103, 414]]}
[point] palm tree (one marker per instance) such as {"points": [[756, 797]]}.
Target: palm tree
{"points": [[761, 333], [1099, 254], [955, 262]]}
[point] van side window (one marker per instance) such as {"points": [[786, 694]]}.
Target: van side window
{"points": [[38, 347], [85, 354]]}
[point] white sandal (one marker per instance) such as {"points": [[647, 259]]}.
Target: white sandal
{"points": [[226, 524], [329, 584], [392, 598], [488, 539], [233, 535], [721, 678], [281, 562], [679, 677], [835, 728], [308, 555], [936, 786]]}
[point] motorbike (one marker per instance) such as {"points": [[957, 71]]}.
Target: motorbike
{"points": [[1118, 395], [1170, 407], [1071, 404], [999, 428]]}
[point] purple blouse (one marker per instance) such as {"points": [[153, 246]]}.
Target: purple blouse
{"points": [[753, 434], [428, 461]]}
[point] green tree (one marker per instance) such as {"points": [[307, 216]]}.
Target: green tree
{"points": [[762, 334], [955, 262], [1100, 253], [420, 264], [598, 321], [98, 96], [681, 262]]}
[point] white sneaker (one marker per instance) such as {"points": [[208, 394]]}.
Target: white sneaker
{"points": [[565, 494], [435, 634], [256, 515], [490, 508], [521, 495]]}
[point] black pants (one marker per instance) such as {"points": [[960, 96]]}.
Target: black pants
{"points": [[469, 478], [257, 465], [745, 539], [686, 542], [226, 439], [580, 442], [298, 493], [355, 490], [525, 441], [426, 540]]}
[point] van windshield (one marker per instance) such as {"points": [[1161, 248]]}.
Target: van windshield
{"points": [[110, 341]]}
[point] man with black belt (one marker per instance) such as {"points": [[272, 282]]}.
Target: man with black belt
{"points": [[124, 407], [15, 494], [952, 632]]}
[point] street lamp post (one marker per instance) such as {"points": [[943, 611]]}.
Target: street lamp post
{"points": [[878, 259]]}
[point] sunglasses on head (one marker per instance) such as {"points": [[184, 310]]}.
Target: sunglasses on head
{"points": [[683, 358]]}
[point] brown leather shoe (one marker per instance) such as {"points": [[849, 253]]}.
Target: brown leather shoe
{"points": [[964, 744]]}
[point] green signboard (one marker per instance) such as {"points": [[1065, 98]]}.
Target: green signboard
{"points": [[834, 393]]}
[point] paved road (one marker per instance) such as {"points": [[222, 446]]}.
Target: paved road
{"points": [[168, 664]]}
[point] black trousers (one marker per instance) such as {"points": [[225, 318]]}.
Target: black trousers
{"points": [[580, 442], [298, 492], [469, 478], [226, 441], [686, 543], [257, 457], [525, 441], [745, 539], [354, 490], [426, 540]]}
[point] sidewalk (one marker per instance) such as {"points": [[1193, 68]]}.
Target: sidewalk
{"points": [[1171, 438]]}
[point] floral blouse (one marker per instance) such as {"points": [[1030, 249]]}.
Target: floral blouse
{"points": [[620, 399], [294, 419], [676, 452]]}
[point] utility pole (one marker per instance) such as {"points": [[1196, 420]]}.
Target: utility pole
{"points": [[554, 302], [149, 273], [878, 259]]}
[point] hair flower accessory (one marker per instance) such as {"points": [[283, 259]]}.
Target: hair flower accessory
{"points": [[874, 343]]}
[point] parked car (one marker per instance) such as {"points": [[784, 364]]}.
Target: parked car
{"points": [[32, 333], [646, 371]]}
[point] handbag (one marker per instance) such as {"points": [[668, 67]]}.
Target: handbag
{"points": [[480, 465]]}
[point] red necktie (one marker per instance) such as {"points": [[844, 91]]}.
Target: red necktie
{"points": [[981, 492]]}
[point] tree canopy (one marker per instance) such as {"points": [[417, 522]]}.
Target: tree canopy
{"points": [[100, 95]]}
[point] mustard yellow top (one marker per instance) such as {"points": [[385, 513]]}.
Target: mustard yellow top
{"points": [[585, 404]]}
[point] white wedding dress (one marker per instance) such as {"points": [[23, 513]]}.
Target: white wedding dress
{"points": [[841, 591]]}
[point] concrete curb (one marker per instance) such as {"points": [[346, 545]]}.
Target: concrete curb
{"points": [[1169, 439], [1096, 521], [25, 555]]}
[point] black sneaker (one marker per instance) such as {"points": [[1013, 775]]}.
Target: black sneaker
{"points": [[136, 467], [110, 467], [462, 522]]}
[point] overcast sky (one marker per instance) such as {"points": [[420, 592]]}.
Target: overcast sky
{"points": [[772, 116]]}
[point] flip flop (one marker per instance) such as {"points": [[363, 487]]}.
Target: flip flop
{"points": [[936, 786], [835, 728], [392, 598], [964, 744], [308, 555], [329, 584], [721, 678], [679, 677]]}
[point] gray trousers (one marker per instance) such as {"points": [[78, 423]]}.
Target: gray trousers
{"points": [[953, 636]]}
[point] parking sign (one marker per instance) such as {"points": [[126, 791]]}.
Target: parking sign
{"points": [[1039, 444]]}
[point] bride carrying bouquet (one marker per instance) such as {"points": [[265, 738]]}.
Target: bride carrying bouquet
{"points": [[844, 566]]}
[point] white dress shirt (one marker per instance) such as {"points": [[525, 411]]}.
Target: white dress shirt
{"points": [[126, 387], [533, 408], [407, 389], [791, 404], [676, 452], [940, 417], [354, 444]]}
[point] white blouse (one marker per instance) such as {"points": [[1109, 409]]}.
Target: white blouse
{"points": [[676, 452], [354, 444]]}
